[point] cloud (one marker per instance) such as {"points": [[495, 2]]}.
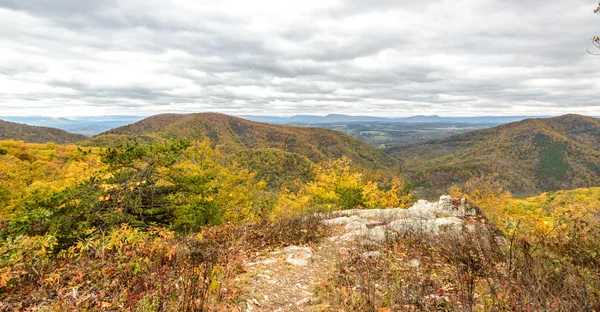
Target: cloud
{"points": [[376, 57]]}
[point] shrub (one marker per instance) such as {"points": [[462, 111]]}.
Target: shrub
{"points": [[126, 269], [174, 184], [476, 270]]}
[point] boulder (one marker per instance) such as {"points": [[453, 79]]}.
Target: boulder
{"points": [[356, 223], [370, 254], [431, 226], [298, 256], [423, 217], [336, 221]]}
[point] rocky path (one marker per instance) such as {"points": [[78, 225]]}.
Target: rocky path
{"points": [[285, 280]]}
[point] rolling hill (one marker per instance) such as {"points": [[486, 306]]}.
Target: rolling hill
{"points": [[529, 156], [34, 134], [234, 135]]}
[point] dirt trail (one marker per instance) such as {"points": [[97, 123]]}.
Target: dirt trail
{"points": [[274, 285]]}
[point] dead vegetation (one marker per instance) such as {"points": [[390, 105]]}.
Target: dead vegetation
{"points": [[476, 270], [134, 270]]}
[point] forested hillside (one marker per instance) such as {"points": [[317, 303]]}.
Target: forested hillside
{"points": [[528, 157], [33, 134], [234, 135], [174, 224], [134, 223]]}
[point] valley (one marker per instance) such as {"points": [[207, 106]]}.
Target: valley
{"points": [[387, 135]]}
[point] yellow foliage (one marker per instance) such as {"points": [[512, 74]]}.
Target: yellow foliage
{"points": [[339, 184], [28, 170], [233, 188], [540, 215]]}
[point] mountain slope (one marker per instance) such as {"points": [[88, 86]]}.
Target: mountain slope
{"points": [[33, 134], [529, 156], [234, 135]]}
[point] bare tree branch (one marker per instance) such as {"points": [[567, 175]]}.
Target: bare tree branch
{"points": [[596, 39]]}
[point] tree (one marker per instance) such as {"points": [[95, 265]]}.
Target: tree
{"points": [[339, 184], [177, 183], [596, 39], [134, 190]]}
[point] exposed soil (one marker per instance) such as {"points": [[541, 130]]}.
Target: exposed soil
{"points": [[271, 284]]}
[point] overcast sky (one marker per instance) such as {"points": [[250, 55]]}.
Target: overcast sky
{"points": [[280, 57]]}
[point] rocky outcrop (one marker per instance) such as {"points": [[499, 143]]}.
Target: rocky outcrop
{"points": [[423, 217], [298, 256]]}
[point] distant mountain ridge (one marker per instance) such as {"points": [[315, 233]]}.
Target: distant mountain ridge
{"points": [[340, 118], [81, 125], [529, 156], [34, 134], [234, 135], [90, 126]]}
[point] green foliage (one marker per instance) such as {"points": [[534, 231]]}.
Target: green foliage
{"points": [[174, 184], [279, 169], [529, 156], [350, 197], [552, 166], [340, 184]]}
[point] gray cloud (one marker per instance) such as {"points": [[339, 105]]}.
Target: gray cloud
{"points": [[377, 57]]}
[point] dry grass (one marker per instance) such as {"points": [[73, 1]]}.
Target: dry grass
{"points": [[473, 271], [294, 230], [134, 270]]}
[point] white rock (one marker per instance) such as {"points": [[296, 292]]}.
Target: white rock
{"points": [[451, 225], [433, 226], [445, 202], [378, 234], [298, 256], [423, 217], [336, 221], [410, 225], [293, 249], [333, 238], [421, 212], [356, 223], [414, 263], [293, 260], [263, 262], [371, 254], [303, 301]]}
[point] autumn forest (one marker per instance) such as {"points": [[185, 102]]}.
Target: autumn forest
{"points": [[160, 215]]}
